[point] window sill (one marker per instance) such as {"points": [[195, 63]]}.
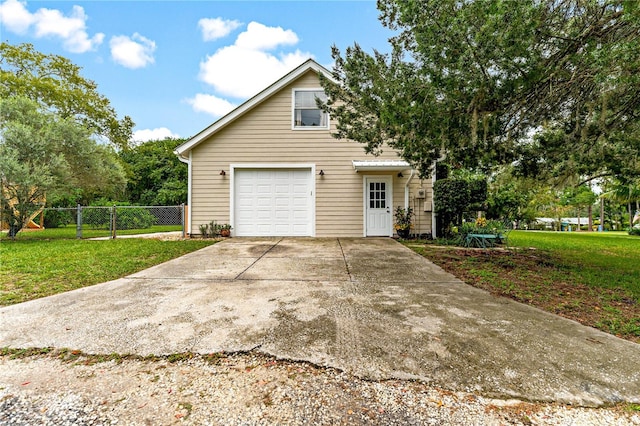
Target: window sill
{"points": [[307, 128]]}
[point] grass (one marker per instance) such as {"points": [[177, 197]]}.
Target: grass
{"points": [[69, 232], [603, 259], [31, 268], [593, 278]]}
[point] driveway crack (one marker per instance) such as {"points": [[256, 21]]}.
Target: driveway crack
{"points": [[346, 264], [258, 259]]}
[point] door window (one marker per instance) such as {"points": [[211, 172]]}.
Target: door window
{"points": [[377, 195]]}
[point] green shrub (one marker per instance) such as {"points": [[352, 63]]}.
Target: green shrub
{"points": [[634, 231], [450, 199], [126, 218], [58, 218], [454, 198], [134, 218], [477, 194], [96, 218]]}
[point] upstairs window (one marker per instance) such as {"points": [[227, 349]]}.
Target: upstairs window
{"points": [[306, 114]]}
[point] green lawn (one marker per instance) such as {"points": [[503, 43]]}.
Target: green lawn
{"points": [[36, 267], [69, 232], [608, 260], [593, 278]]}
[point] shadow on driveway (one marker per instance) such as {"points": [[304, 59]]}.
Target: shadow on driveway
{"points": [[371, 307]]}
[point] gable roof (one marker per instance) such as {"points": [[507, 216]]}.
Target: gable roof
{"points": [[309, 64]]}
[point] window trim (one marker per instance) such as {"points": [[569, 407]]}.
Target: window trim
{"points": [[293, 110]]}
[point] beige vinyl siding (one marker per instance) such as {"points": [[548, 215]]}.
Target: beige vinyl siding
{"points": [[422, 220], [264, 135]]}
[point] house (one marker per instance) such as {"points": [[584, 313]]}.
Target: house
{"points": [[271, 168], [563, 224]]}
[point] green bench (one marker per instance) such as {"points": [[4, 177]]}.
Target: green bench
{"points": [[483, 240]]}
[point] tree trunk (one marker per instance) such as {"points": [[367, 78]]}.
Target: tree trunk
{"points": [[601, 214], [590, 227]]}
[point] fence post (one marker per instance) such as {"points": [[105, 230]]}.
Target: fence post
{"points": [[79, 222], [182, 219], [113, 221]]}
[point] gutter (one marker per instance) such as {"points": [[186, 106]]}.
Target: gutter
{"points": [[180, 157]]}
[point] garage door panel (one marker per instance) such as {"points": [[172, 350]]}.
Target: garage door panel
{"points": [[273, 202], [299, 215], [299, 229], [263, 202], [300, 203], [262, 229], [263, 215]]}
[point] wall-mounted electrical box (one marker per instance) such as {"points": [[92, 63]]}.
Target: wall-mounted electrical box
{"points": [[421, 194]]}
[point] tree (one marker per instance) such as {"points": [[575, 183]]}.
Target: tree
{"points": [[43, 155], [548, 202], [155, 175], [580, 197], [55, 84], [625, 192], [472, 81], [510, 196]]}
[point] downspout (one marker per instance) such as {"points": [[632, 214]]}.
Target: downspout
{"points": [[434, 216], [406, 193], [406, 189], [187, 161]]}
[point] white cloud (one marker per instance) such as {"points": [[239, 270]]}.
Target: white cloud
{"points": [[15, 16], [210, 104], [215, 28], [145, 135], [132, 52], [261, 37], [244, 68], [72, 29]]}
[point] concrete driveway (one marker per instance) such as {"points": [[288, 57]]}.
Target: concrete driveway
{"points": [[369, 306]]}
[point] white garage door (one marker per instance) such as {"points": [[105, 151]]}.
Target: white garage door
{"points": [[273, 202]]}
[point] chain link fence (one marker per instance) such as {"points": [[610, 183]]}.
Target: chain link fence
{"points": [[94, 221]]}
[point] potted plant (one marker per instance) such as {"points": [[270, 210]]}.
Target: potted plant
{"points": [[204, 230], [225, 230], [403, 221]]}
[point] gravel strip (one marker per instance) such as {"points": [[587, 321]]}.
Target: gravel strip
{"points": [[249, 389]]}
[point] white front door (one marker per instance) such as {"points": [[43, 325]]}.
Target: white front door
{"points": [[378, 198]]}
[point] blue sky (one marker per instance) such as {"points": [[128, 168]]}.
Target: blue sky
{"points": [[177, 66]]}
